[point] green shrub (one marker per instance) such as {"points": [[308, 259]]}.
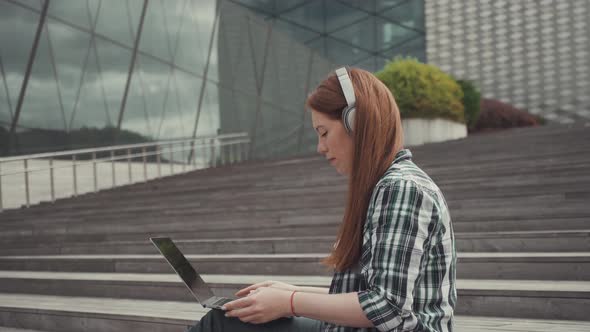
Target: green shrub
{"points": [[422, 90], [471, 101]]}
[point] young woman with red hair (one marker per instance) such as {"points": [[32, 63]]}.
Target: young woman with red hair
{"points": [[394, 258]]}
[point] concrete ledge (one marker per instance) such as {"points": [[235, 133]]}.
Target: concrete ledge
{"points": [[421, 131]]}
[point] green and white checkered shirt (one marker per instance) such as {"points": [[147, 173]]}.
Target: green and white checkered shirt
{"points": [[405, 278]]}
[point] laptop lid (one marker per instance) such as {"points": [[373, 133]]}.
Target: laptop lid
{"points": [[183, 268]]}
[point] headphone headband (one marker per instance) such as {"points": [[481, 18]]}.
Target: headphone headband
{"points": [[348, 113], [346, 85]]}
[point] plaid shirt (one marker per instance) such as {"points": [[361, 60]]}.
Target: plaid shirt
{"points": [[405, 278]]}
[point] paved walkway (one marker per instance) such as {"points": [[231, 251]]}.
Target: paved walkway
{"points": [[13, 186]]}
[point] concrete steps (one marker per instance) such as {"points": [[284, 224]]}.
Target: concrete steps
{"points": [[518, 200], [527, 241], [508, 225], [473, 265], [520, 188], [99, 315], [539, 298]]}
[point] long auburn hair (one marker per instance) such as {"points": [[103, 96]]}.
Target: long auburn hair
{"points": [[377, 137]]}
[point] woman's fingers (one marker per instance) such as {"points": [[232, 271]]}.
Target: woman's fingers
{"points": [[265, 304], [241, 313], [253, 319], [246, 291], [237, 304]]}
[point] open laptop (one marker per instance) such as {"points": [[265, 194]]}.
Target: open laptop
{"points": [[187, 273]]}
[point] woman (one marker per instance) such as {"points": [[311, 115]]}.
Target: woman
{"points": [[394, 258]]}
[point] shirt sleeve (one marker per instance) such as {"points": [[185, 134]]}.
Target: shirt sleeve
{"points": [[399, 219]]}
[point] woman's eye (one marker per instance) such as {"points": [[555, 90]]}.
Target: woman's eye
{"points": [[324, 134]]}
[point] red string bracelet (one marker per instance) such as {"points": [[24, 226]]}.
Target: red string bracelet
{"points": [[292, 307]]}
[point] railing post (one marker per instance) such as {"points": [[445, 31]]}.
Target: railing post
{"points": [[223, 152], [129, 165], [27, 181], [182, 156], [94, 171], [170, 161], [113, 166], [143, 151], [194, 152], [158, 157], [213, 157], [239, 151], [75, 174], [51, 180], [232, 156], [1, 206], [220, 156]]}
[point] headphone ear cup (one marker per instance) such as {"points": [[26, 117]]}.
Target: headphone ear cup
{"points": [[348, 118]]}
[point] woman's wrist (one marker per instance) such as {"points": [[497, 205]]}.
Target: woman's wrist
{"points": [[292, 304]]}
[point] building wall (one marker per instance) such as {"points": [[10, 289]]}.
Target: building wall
{"points": [[360, 33], [534, 54], [264, 80]]}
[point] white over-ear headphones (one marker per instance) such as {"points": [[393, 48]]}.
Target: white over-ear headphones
{"points": [[350, 109]]}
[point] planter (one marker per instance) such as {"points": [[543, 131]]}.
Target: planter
{"points": [[422, 131]]}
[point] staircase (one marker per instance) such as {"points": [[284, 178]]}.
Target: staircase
{"points": [[519, 200]]}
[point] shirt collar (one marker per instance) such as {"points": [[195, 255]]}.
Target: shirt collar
{"points": [[403, 154]]}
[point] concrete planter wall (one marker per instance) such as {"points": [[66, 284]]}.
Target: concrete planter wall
{"points": [[421, 131]]}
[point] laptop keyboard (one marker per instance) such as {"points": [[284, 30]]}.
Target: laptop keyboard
{"points": [[220, 302]]}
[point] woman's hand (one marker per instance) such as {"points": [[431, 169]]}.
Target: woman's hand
{"points": [[268, 283], [261, 305]]}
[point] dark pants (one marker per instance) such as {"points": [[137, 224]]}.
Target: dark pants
{"points": [[215, 321]]}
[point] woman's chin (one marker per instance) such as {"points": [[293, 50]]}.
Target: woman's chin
{"points": [[341, 171]]}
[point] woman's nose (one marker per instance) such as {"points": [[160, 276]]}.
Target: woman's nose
{"points": [[321, 148]]}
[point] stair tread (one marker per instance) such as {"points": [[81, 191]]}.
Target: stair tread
{"points": [[143, 308], [319, 281], [572, 254], [186, 312]]}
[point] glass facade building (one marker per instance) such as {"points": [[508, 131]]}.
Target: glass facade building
{"points": [[360, 33], [152, 69], [77, 74]]}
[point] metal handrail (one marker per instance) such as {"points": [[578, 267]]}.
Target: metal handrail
{"points": [[117, 147], [224, 143], [123, 157]]}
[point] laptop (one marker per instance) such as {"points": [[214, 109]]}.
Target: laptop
{"points": [[188, 274]]}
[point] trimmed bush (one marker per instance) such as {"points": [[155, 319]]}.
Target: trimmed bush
{"points": [[422, 90], [498, 115], [471, 101]]}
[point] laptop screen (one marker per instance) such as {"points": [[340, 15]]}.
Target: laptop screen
{"points": [[183, 268]]}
